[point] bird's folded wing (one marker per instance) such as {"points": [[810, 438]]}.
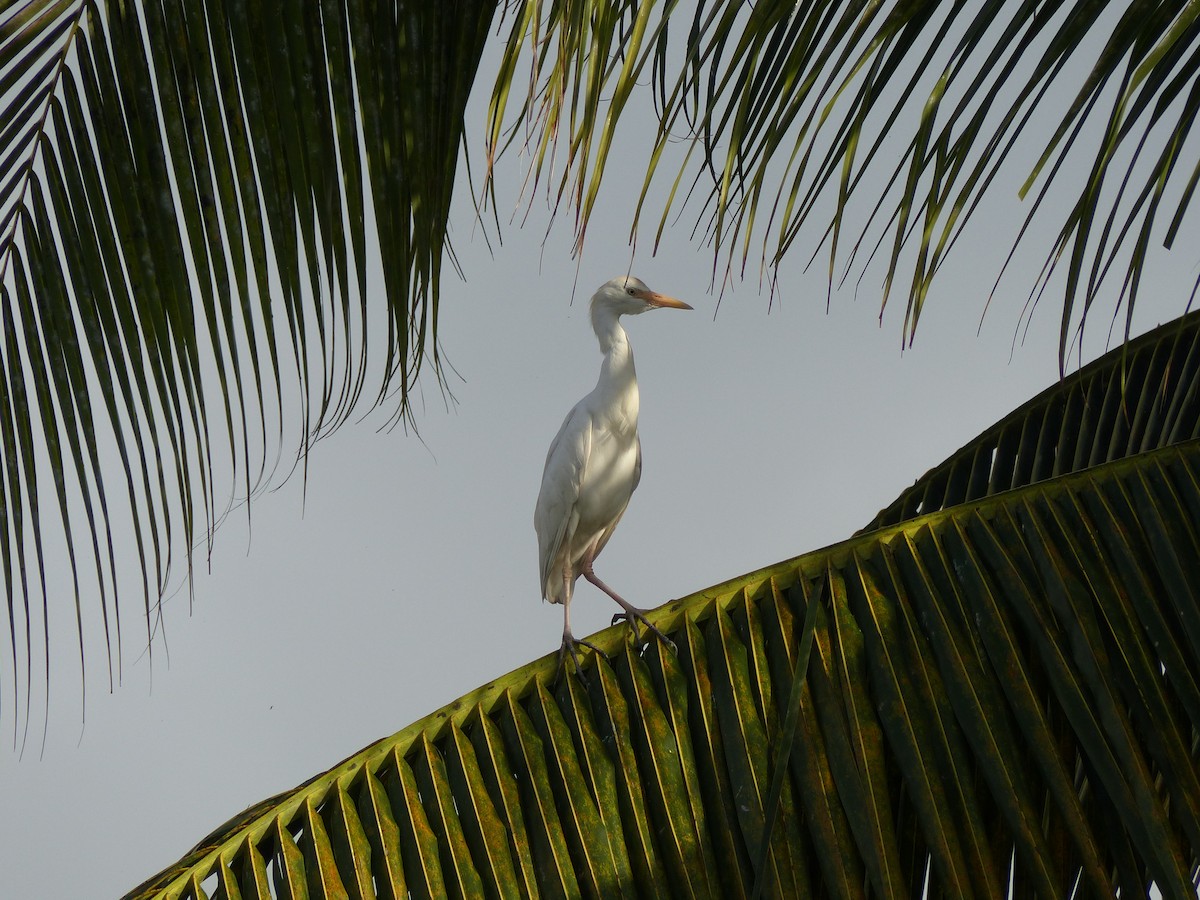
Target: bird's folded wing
{"points": [[555, 516]]}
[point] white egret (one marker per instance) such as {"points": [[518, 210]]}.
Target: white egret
{"points": [[595, 462]]}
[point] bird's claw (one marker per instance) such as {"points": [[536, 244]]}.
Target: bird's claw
{"points": [[570, 642], [633, 617]]}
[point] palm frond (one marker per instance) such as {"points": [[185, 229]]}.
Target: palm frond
{"points": [[900, 116], [1000, 693], [1144, 397], [185, 212]]}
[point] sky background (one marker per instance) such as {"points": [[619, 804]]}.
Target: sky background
{"points": [[406, 574]]}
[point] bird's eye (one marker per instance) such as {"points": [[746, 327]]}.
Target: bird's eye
{"points": [[631, 291]]}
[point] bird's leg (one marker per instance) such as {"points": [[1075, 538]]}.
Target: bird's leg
{"points": [[632, 614], [569, 641]]}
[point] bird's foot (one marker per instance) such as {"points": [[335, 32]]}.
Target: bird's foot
{"points": [[569, 645], [633, 615]]}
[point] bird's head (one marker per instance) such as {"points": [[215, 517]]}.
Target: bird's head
{"points": [[629, 296]]}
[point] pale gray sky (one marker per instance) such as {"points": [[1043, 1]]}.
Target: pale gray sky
{"points": [[409, 577]]}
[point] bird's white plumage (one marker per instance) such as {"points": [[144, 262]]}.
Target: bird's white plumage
{"points": [[592, 469], [595, 461]]}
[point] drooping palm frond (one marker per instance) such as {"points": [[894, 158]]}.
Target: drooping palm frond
{"points": [[187, 190], [187, 196], [896, 116], [1001, 696]]}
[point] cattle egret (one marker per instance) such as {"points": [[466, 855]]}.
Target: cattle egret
{"points": [[594, 463]]}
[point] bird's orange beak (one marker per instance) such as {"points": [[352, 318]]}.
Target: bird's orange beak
{"points": [[662, 300]]}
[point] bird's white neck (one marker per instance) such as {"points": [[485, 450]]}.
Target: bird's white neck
{"points": [[616, 372], [607, 325]]}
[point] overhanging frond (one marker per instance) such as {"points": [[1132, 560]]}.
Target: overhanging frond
{"points": [[185, 202], [900, 116]]}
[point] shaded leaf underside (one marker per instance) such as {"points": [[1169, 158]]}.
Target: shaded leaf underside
{"points": [[185, 207]]}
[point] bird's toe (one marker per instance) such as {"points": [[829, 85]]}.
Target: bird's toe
{"points": [[570, 645], [633, 617]]}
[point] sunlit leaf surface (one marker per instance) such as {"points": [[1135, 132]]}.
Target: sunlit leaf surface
{"points": [[1000, 695]]}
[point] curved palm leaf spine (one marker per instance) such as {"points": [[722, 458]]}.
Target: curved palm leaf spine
{"points": [[1002, 691], [1143, 397], [185, 197], [787, 109]]}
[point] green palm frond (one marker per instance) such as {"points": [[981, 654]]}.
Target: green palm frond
{"points": [[906, 112], [186, 200], [1144, 397], [1008, 680], [189, 193], [1000, 693]]}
